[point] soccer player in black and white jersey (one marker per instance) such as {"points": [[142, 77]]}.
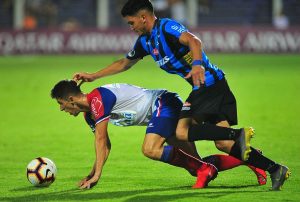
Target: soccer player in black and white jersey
{"points": [[211, 103]]}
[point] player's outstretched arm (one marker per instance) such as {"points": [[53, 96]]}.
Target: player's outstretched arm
{"points": [[116, 67], [102, 149], [194, 43]]}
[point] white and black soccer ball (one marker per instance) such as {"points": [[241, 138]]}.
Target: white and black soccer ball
{"points": [[41, 172]]}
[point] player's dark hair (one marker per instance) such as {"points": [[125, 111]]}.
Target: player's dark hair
{"points": [[64, 89], [131, 7]]}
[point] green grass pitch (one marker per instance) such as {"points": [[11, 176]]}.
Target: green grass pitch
{"points": [[267, 88]]}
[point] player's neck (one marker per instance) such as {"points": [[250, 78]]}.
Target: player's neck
{"points": [[82, 102], [151, 23]]}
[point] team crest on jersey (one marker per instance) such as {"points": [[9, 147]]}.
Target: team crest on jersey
{"points": [[131, 53], [155, 51], [186, 106], [96, 105]]}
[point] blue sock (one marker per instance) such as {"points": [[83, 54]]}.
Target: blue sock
{"points": [[166, 155]]}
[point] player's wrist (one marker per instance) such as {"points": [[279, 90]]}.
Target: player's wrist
{"points": [[197, 63], [89, 176], [94, 76], [96, 177]]}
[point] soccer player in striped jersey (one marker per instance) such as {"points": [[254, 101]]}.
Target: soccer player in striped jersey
{"points": [[211, 102], [128, 105]]}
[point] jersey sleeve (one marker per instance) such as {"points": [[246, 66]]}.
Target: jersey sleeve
{"points": [[139, 50], [102, 102], [174, 28]]}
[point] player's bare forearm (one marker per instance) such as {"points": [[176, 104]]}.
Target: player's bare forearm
{"points": [[198, 72], [196, 48], [194, 43], [92, 171], [92, 180], [102, 149], [115, 68]]}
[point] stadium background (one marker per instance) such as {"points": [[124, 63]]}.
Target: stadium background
{"points": [[257, 44], [96, 26]]}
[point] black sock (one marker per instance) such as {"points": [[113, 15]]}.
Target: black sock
{"points": [[235, 151], [211, 132], [256, 159], [260, 161]]}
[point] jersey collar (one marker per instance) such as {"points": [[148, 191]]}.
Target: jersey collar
{"points": [[155, 27]]}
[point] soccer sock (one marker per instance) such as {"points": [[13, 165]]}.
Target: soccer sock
{"points": [[223, 162], [167, 153], [179, 158], [256, 159], [235, 151], [211, 132], [260, 161]]}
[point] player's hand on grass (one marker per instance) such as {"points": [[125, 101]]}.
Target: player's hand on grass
{"points": [[198, 75], [83, 76], [84, 180], [88, 184]]}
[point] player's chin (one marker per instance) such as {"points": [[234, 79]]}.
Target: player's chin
{"points": [[74, 114], [138, 32]]}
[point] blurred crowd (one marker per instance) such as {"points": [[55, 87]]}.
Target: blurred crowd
{"points": [[73, 14]]}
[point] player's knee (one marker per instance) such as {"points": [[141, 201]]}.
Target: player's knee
{"points": [[149, 152]]}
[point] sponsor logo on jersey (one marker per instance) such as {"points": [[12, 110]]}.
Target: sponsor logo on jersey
{"points": [[123, 118], [150, 125], [163, 61], [131, 53], [96, 105], [129, 115], [186, 106], [155, 51]]}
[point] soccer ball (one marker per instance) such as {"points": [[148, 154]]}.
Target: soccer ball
{"points": [[41, 172]]}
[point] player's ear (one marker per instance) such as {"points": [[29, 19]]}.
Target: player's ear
{"points": [[71, 99], [143, 17]]}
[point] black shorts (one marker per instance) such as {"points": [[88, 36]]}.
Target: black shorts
{"points": [[211, 104]]}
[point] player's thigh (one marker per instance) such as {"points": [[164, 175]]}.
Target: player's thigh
{"points": [[153, 145], [158, 130], [183, 128]]}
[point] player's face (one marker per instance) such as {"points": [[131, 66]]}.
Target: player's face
{"points": [[68, 106], [136, 23]]}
